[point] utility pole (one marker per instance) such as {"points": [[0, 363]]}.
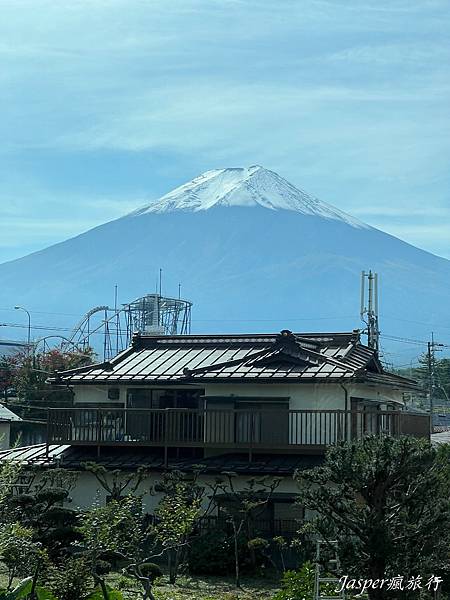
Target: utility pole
{"points": [[431, 363], [29, 327], [117, 318], [369, 313]]}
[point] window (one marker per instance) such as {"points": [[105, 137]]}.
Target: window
{"points": [[163, 398], [262, 422]]}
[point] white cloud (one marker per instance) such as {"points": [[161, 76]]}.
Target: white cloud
{"points": [[348, 99]]}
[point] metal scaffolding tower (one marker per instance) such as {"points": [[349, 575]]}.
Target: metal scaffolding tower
{"points": [[113, 328]]}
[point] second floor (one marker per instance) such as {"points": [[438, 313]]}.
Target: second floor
{"points": [[267, 392]]}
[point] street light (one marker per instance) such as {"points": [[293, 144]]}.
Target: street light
{"points": [[29, 324]]}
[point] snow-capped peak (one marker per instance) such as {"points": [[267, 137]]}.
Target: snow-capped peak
{"points": [[248, 186]]}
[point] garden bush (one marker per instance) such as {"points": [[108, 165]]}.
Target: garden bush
{"points": [[212, 554], [150, 570], [71, 580], [297, 585]]}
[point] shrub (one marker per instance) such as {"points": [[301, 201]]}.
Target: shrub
{"points": [[71, 580], [212, 554], [297, 585], [150, 570], [19, 553], [102, 567]]}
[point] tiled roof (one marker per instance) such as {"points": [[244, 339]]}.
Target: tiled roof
{"points": [[285, 357], [73, 457], [442, 437], [33, 455]]}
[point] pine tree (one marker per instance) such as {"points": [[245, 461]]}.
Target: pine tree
{"points": [[387, 503]]}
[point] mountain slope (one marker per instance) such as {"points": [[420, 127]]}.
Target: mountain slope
{"points": [[252, 252]]}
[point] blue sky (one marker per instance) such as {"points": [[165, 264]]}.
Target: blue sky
{"points": [[109, 103]]}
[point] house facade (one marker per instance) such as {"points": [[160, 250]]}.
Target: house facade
{"points": [[252, 404], [209, 395]]}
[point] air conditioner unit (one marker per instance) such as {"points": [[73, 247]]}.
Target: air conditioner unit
{"points": [[113, 394]]}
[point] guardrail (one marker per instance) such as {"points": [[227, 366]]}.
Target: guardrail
{"points": [[227, 428]]}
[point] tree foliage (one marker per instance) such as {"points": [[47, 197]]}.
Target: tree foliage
{"points": [[114, 527], [176, 516], [7, 374], [116, 483], [27, 373], [441, 376], [387, 503], [9, 474], [43, 508], [19, 552], [241, 507], [297, 585]]}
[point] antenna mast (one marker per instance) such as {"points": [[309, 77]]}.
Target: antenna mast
{"points": [[369, 313]]}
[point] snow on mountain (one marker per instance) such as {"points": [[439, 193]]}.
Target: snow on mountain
{"points": [[248, 186]]}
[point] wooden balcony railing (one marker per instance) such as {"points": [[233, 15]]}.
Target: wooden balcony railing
{"points": [[227, 428]]}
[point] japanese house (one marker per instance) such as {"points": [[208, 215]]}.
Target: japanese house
{"points": [[254, 404]]}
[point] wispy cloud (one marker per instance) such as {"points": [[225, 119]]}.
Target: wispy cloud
{"points": [[347, 99]]}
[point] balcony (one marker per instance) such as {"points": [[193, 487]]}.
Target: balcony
{"points": [[238, 429]]}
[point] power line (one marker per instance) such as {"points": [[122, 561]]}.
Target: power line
{"points": [[409, 340], [46, 312], [284, 320], [430, 325]]}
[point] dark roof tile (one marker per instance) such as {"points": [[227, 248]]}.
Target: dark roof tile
{"points": [[191, 358]]}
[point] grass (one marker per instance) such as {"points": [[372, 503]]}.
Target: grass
{"points": [[203, 588], [194, 588]]}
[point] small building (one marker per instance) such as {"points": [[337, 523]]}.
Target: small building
{"points": [[7, 418], [264, 404]]}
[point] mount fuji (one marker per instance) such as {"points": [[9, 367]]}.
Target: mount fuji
{"points": [[252, 252]]}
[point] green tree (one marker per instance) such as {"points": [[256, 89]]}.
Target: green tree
{"points": [[176, 516], [116, 483], [71, 579], [9, 474], [242, 507], [31, 371], [387, 503], [7, 373], [422, 374], [297, 585], [111, 532], [20, 554], [43, 508]]}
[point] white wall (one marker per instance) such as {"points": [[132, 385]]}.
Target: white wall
{"points": [[88, 491], [5, 429], [97, 394], [325, 396], [302, 396]]}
